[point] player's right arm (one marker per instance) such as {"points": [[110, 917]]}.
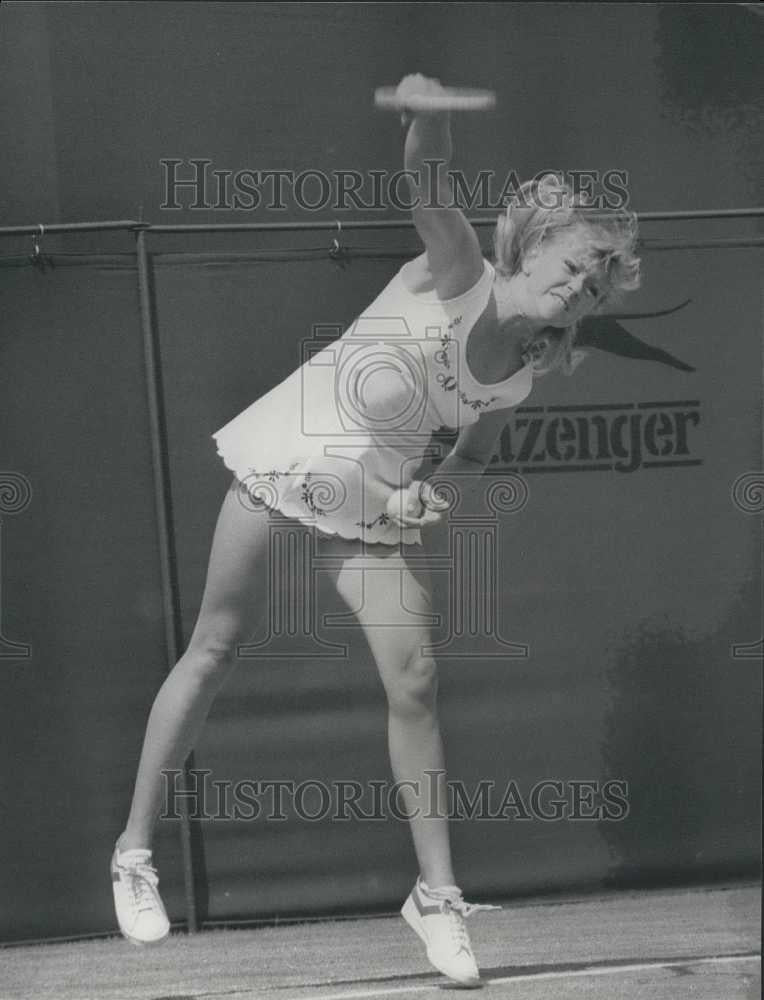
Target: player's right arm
{"points": [[453, 253]]}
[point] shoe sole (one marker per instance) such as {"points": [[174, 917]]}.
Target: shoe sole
{"points": [[138, 942], [143, 944], [410, 914]]}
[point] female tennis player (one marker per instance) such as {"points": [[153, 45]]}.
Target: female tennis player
{"points": [[468, 339]]}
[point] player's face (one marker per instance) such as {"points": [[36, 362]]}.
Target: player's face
{"points": [[560, 287]]}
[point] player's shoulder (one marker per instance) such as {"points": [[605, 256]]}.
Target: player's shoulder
{"points": [[420, 277]]}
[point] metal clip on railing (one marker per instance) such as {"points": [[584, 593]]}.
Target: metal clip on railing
{"points": [[337, 252], [36, 257]]}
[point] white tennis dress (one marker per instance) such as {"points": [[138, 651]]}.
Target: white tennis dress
{"points": [[332, 442]]}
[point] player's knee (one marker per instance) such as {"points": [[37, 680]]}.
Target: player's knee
{"points": [[414, 689]]}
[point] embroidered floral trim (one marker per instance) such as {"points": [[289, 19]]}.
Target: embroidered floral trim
{"points": [[446, 340], [273, 474], [307, 496], [381, 520], [476, 404], [448, 382], [441, 356]]}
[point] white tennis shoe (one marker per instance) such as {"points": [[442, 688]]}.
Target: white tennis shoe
{"points": [[140, 912], [437, 916]]}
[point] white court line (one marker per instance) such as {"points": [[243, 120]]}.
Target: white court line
{"points": [[592, 970]]}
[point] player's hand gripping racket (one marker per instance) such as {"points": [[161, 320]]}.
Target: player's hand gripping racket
{"points": [[417, 93]]}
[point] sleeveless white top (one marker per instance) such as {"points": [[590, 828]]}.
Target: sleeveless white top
{"points": [[330, 443]]}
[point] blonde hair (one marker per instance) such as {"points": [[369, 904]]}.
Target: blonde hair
{"points": [[541, 209]]}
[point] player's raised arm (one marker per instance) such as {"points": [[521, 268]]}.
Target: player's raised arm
{"points": [[452, 246]]}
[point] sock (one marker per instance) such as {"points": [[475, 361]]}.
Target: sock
{"points": [[430, 890]]}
